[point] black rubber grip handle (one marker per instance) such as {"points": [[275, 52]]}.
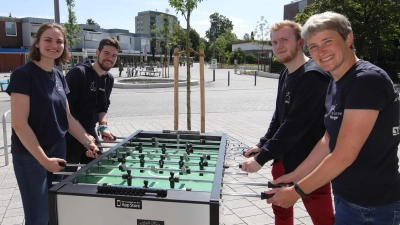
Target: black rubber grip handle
{"points": [[252, 154], [266, 196], [63, 164], [270, 185], [240, 166]]}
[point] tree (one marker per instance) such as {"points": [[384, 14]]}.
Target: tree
{"points": [[220, 24], [375, 23], [246, 37], [71, 26], [194, 39], [162, 33], [261, 32], [90, 21], [185, 7]]}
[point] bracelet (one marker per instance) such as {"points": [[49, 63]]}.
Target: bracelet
{"points": [[102, 128], [299, 191], [87, 143]]}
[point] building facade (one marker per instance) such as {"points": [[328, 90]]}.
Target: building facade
{"points": [[290, 10], [12, 52], [147, 20], [17, 36]]}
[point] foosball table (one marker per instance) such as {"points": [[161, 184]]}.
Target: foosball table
{"points": [[157, 178]]}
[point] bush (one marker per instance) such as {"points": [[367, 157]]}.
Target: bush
{"points": [[250, 58]]}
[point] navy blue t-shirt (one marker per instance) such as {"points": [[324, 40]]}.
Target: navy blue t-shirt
{"points": [[373, 179], [47, 113]]}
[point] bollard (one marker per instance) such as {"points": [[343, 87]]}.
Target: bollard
{"points": [[229, 76], [213, 75], [255, 78]]}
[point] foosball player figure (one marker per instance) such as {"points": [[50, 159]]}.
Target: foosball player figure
{"points": [[139, 148], [202, 165], [189, 148], [163, 149], [161, 164], [181, 163], [122, 160], [146, 184], [173, 180], [128, 177], [150, 155], [141, 162], [203, 141]]}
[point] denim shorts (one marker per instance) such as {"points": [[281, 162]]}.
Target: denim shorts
{"points": [[353, 214]]}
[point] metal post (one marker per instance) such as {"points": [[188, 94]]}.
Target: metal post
{"points": [[255, 78], [229, 75], [5, 136], [214, 55]]}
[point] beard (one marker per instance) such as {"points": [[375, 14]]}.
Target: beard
{"points": [[103, 65], [290, 57]]}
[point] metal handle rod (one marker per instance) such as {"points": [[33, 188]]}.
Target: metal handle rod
{"points": [[141, 177], [4, 120], [246, 183], [165, 161], [154, 169]]}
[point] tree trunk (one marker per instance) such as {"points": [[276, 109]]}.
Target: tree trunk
{"points": [[189, 124]]}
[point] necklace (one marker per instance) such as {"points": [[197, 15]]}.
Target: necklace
{"points": [[51, 76]]}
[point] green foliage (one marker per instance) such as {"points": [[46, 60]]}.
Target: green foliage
{"points": [[71, 26], [90, 21], [374, 22], [194, 39], [220, 24], [238, 54], [250, 58], [246, 37], [224, 42]]}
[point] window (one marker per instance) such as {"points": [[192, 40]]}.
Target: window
{"points": [[11, 29]]}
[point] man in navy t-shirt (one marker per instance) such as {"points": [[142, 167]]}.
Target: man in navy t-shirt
{"points": [[90, 87]]}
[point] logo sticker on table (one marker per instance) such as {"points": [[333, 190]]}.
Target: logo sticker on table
{"points": [[149, 222], [128, 203]]}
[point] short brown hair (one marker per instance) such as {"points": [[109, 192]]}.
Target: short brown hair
{"points": [[34, 53], [287, 23], [111, 41]]}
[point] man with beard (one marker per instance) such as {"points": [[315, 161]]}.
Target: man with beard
{"points": [[297, 124], [90, 86]]}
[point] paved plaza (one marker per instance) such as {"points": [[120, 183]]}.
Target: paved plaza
{"points": [[242, 110]]}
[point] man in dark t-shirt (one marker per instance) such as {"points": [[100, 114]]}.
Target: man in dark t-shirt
{"points": [[90, 86], [297, 124]]}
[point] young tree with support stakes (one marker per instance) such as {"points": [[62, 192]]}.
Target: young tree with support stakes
{"points": [[261, 33], [72, 28], [186, 7]]}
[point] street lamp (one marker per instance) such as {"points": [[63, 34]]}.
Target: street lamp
{"points": [[214, 30], [84, 51]]}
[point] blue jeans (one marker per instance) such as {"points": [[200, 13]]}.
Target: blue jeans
{"points": [[353, 214], [34, 181]]}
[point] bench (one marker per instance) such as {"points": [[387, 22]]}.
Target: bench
{"points": [[150, 72]]}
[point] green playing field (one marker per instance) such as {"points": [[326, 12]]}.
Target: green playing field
{"points": [[108, 170]]}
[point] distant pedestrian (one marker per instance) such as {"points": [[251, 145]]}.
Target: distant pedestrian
{"points": [[120, 66]]}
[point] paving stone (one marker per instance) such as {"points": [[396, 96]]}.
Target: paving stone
{"points": [[261, 219], [247, 211], [12, 212], [13, 220]]}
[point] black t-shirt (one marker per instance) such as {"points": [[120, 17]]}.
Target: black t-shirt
{"points": [[373, 179], [89, 95], [298, 121], [47, 106]]}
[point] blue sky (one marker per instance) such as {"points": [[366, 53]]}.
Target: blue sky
{"points": [[121, 13]]}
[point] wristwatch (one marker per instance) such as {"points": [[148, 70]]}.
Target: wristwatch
{"points": [[299, 191]]}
